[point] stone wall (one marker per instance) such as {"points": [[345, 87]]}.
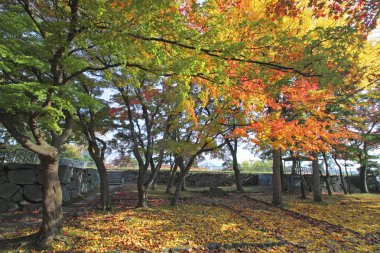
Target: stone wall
{"points": [[21, 186], [196, 179]]}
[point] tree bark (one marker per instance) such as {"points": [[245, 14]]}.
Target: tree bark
{"points": [[177, 192], [363, 179], [341, 175], [276, 180], [327, 177], [283, 180], [141, 189], [172, 177], [181, 179], [316, 180], [52, 225], [303, 195], [104, 187], [235, 165]]}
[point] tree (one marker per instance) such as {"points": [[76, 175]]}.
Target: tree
{"points": [[45, 46]]}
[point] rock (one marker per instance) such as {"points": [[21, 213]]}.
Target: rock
{"points": [[74, 194], [22, 176], [13, 166], [13, 206], [65, 173], [177, 249], [17, 197], [216, 191], [3, 179], [33, 193], [7, 190], [65, 194], [39, 177], [3, 205]]}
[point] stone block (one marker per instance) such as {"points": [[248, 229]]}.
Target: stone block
{"points": [[65, 173], [39, 177], [65, 194], [22, 176], [7, 190], [74, 194], [3, 205], [3, 179], [13, 206], [17, 197], [33, 193]]}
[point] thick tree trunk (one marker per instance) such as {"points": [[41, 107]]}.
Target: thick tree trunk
{"points": [[341, 176], [316, 180], [235, 167], [183, 187], [276, 180], [52, 201], [363, 179], [178, 188], [141, 189], [104, 187], [327, 177]]}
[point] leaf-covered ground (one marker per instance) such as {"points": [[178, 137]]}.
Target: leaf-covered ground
{"points": [[234, 223]]}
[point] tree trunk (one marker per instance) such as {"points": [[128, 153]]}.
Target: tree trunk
{"points": [[327, 177], [180, 181], [316, 180], [141, 189], [303, 195], [235, 165], [155, 169], [104, 187], [348, 177], [183, 187], [52, 201], [294, 166], [276, 180], [283, 180], [178, 188], [341, 175], [363, 178], [171, 178]]}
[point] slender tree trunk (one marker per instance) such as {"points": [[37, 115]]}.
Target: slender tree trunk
{"points": [[303, 195], [171, 178], [183, 187], [141, 189], [180, 181], [341, 175], [283, 180], [52, 201], [327, 177], [363, 178], [276, 180], [235, 165], [348, 177], [316, 180], [155, 169], [294, 166]]}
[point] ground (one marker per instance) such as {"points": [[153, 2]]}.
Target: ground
{"points": [[231, 222]]}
